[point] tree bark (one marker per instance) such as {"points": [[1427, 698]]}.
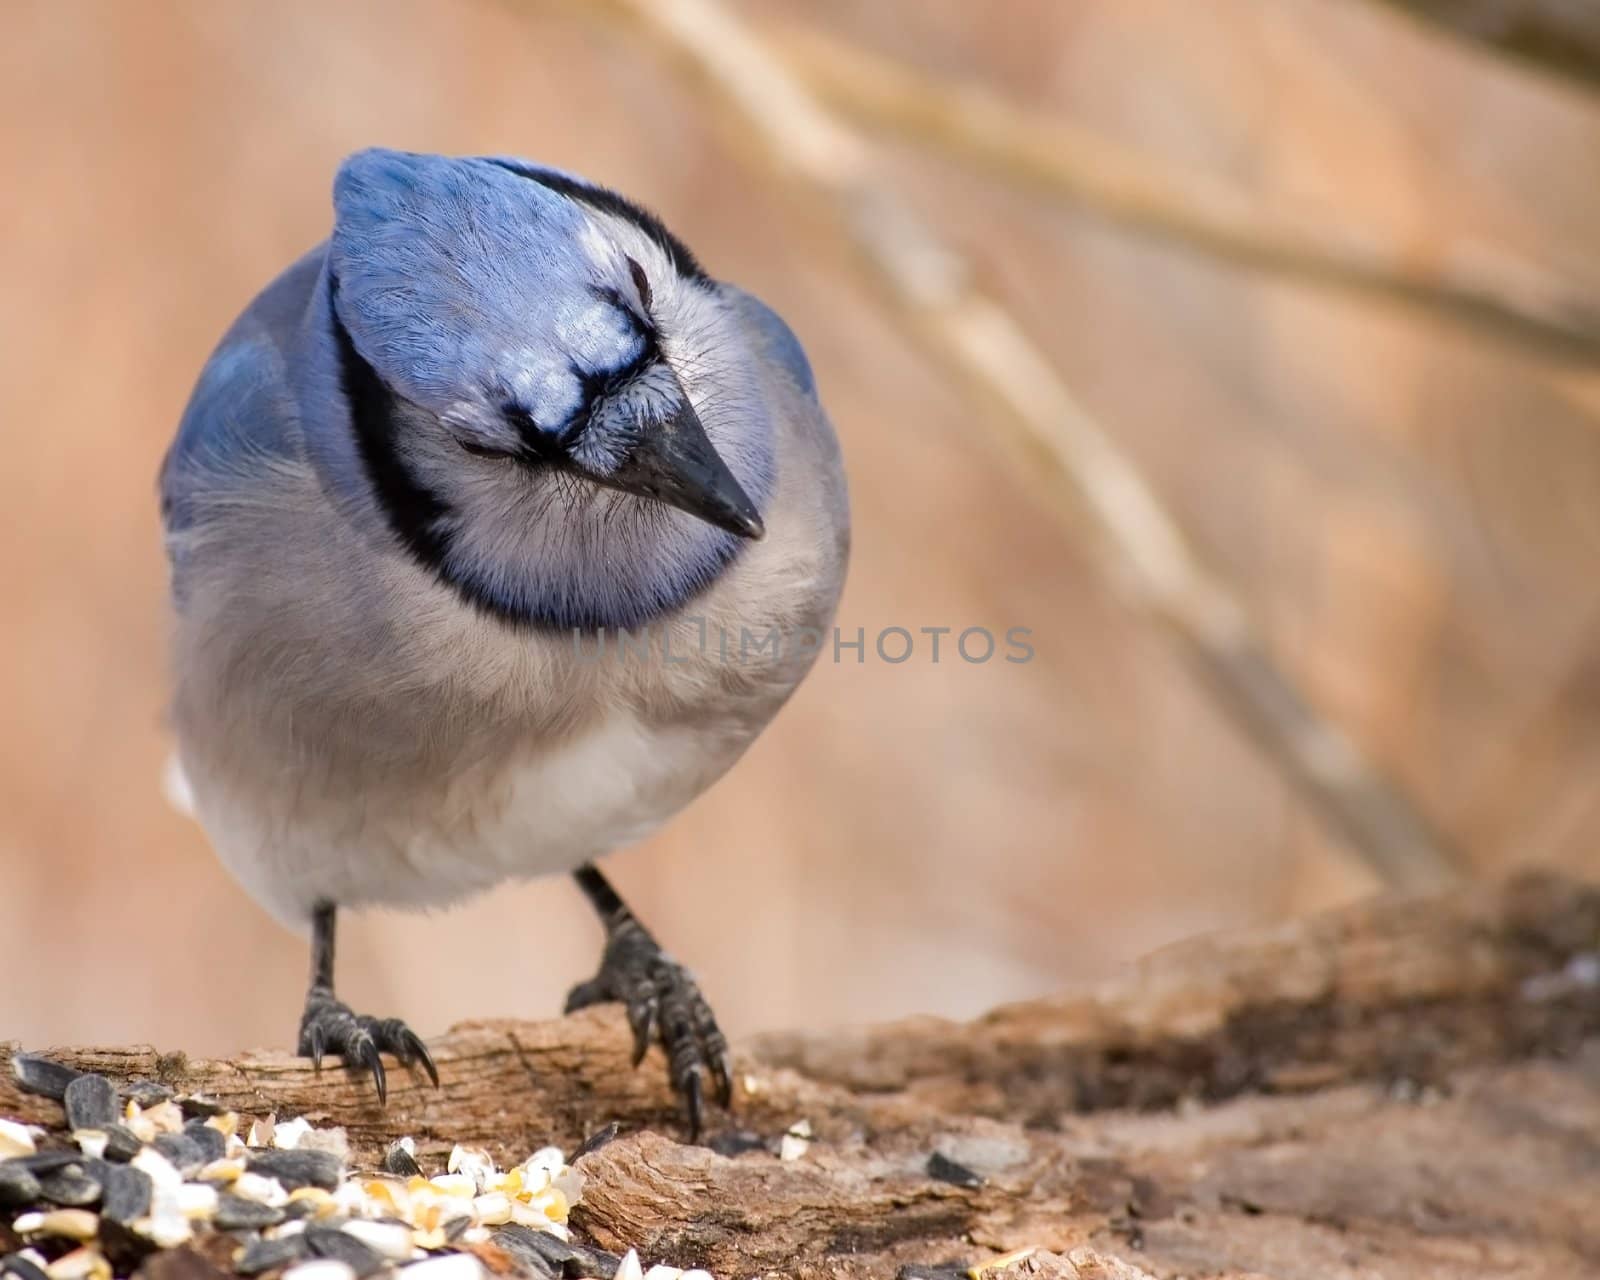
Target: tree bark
{"points": [[1409, 1087]]}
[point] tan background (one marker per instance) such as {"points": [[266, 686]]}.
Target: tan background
{"points": [[1409, 505]]}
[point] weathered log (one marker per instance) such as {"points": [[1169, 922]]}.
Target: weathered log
{"points": [[1410, 1087]]}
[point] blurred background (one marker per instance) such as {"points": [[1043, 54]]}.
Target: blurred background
{"points": [[1395, 474]]}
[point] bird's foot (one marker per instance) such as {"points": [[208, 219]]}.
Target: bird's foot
{"points": [[328, 1026], [663, 1003]]}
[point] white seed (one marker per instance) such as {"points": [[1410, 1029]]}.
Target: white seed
{"points": [[227, 1124], [16, 1139], [544, 1164], [223, 1172], [286, 1136], [529, 1215], [1005, 1260], [476, 1235], [474, 1162], [74, 1224], [408, 1144], [391, 1239], [197, 1201], [350, 1199], [165, 1228], [792, 1147], [629, 1268], [322, 1202], [569, 1182], [81, 1264], [386, 1197], [321, 1269], [167, 1117], [447, 1266], [661, 1271], [334, 1141], [260, 1188], [493, 1209], [695, 1273], [92, 1142], [261, 1132], [454, 1184], [160, 1169]]}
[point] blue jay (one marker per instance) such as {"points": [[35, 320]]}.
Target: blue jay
{"points": [[500, 415]]}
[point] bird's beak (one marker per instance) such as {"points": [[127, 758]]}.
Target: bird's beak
{"points": [[676, 464]]}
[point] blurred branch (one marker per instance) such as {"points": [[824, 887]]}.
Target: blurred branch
{"points": [[1188, 207], [1056, 443], [1562, 36]]}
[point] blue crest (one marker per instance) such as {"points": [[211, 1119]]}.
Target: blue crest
{"points": [[470, 289]]}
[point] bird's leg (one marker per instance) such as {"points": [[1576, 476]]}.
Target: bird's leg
{"points": [[328, 1026], [662, 999]]}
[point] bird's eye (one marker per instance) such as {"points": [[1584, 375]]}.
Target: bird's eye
{"points": [[485, 451], [641, 282]]}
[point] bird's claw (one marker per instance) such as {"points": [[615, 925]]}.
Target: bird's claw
{"points": [[664, 1004], [330, 1026]]}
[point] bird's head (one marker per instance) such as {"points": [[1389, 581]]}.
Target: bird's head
{"points": [[552, 401]]}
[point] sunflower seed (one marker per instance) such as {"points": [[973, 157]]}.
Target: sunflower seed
{"points": [[523, 1244], [561, 1257], [596, 1140], [147, 1093], [737, 1142], [235, 1213], [943, 1169], [400, 1161], [39, 1075], [91, 1102], [212, 1144], [197, 1106], [70, 1187], [24, 1268], [18, 1183], [360, 1257], [183, 1151], [124, 1191], [298, 1168], [269, 1255], [121, 1143]]}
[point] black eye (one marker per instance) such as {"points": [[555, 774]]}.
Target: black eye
{"points": [[484, 451], [641, 282]]}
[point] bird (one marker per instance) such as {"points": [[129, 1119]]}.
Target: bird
{"points": [[500, 417]]}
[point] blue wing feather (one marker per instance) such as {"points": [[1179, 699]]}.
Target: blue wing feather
{"points": [[777, 338], [242, 408]]}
